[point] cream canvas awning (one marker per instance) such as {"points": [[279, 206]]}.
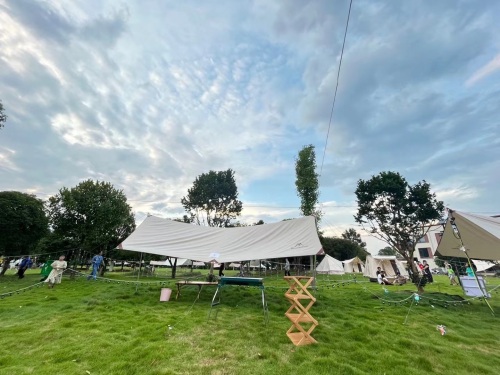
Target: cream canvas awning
{"points": [[291, 238], [480, 235]]}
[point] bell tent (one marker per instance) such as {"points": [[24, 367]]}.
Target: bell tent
{"points": [[331, 266], [354, 265], [389, 264]]}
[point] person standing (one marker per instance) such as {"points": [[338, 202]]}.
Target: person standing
{"points": [[451, 275], [23, 266], [55, 276], [427, 272], [221, 269], [96, 263], [287, 267]]}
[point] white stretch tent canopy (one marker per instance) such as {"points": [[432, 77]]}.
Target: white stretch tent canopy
{"points": [[291, 238], [480, 235], [387, 263], [354, 265], [331, 266]]}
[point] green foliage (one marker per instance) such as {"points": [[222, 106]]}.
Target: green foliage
{"points": [[342, 249], [307, 183], [92, 216], [213, 199], [351, 235], [387, 251], [3, 116], [22, 222]]}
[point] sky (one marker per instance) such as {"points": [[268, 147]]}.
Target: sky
{"points": [[149, 95]]}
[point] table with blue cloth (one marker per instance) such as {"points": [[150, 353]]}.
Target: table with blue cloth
{"points": [[241, 281]]}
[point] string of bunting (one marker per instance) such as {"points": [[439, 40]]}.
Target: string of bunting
{"points": [[21, 290]]}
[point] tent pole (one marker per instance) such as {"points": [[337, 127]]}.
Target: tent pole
{"points": [[138, 274], [313, 269]]}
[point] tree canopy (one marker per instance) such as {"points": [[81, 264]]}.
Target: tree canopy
{"points": [[213, 199], [351, 235], [342, 249], [22, 222], [397, 212], [307, 183], [91, 216], [387, 251], [3, 116]]}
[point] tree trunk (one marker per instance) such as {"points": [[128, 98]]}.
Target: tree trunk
{"points": [[174, 268]]}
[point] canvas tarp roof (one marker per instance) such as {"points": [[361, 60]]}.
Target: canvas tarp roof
{"points": [[291, 238], [480, 235], [330, 265], [353, 265], [387, 263]]}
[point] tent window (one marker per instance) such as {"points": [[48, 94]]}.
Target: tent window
{"points": [[424, 252]]}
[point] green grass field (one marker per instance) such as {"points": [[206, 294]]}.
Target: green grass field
{"points": [[87, 327]]}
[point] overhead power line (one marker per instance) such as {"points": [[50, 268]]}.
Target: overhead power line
{"points": [[336, 88]]}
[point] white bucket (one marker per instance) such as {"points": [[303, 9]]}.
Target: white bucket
{"points": [[165, 294]]}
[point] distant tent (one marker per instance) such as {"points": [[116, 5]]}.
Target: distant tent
{"points": [[181, 262], [389, 264], [330, 266], [480, 235], [354, 265], [256, 264]]}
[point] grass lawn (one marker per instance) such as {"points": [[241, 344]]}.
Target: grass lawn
{"points": [[87, 327]]}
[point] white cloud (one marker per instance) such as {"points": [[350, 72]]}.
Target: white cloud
{"points": [[149, 96], [489, 68]]}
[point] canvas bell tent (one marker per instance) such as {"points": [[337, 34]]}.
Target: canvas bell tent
{"points": [[291, 238], [354, 265], [389, 264], [331, 266], [480, 236]]}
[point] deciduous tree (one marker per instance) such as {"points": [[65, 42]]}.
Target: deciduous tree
{"points": [[213, 199], [93, 216], [23, 222], [342, 249], [387, 251], [351, 235], [398, 213]]}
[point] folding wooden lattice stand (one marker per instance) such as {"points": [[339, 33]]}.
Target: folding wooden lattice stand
{"points": [[298, 313]]}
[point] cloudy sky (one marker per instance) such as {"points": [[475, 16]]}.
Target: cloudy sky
{"points": [[149, 95]]}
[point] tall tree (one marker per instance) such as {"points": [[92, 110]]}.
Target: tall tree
{"points": [[387, 251], [22, 222], [3, 116], [213, 199], [398, 213], [307, 183], [351, 235], [93, 216], [342, 249]]}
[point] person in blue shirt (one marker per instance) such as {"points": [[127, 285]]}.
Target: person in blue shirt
{"points": [[96, 263], [23, 266]]}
